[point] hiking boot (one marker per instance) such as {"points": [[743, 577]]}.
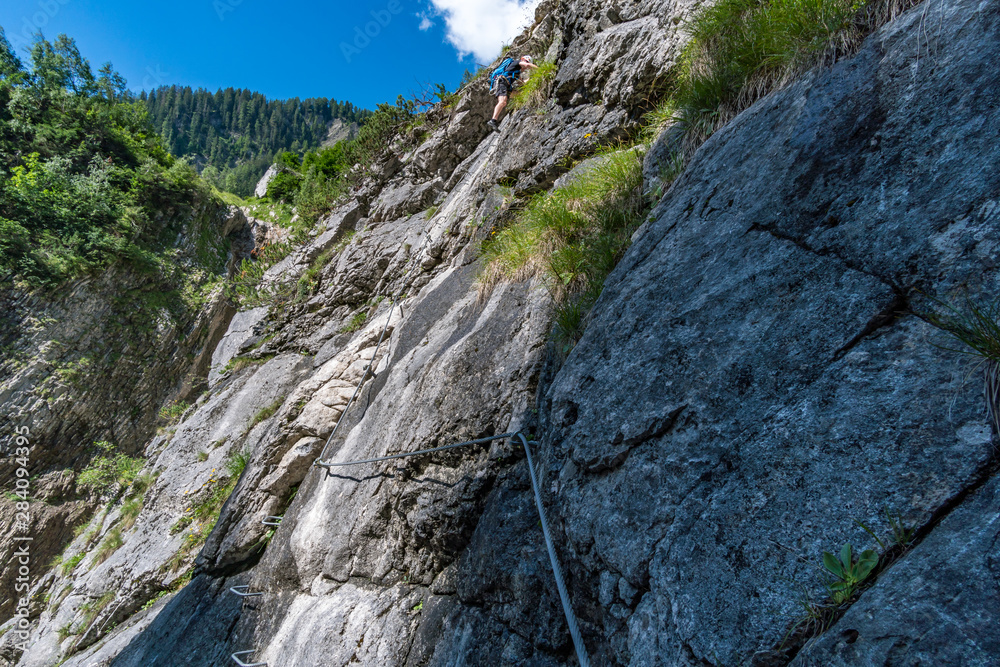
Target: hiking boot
{"points": [[494, 126]]}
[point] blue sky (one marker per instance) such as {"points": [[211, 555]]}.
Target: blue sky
{"points": [[289, 48]]}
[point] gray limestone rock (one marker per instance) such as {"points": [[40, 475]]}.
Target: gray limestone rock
{"points": [[752, 383], [261, 188], [938, 605]]}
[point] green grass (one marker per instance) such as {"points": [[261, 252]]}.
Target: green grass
{"points": [[344, 241], [172, 413], [237, 463], [742, 49], [203, 515], [92, 609], [70, 564], [266, 412], [974, 325], [110, 472], [239, 363], [309, 279], [130, 512], [573, 237], [111, 542], [975, 328], [536, 90], [355, 323]]}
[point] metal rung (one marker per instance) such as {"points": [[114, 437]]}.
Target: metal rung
{"points": [[272, 521], [247, 664], [242, 591]]}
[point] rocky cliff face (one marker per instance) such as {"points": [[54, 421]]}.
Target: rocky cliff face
{"points": [[96, 360], [751, 388]]}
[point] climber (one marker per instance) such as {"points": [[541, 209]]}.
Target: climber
{"points": [[502, 83]]}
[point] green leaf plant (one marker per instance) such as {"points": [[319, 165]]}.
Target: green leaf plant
{"points": [[848, 573]]}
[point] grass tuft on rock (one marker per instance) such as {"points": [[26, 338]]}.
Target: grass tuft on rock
{"points": [[536, 90], [110, 471], [266, 412], [573, 237], [110, 544], [202, 516], [975, 325], [356, 322], [740, 50]]}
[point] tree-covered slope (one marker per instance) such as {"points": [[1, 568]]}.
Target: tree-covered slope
{"points": [[238, 132]]}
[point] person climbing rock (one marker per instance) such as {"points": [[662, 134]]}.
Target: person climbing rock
{"points": [[502, 83]]}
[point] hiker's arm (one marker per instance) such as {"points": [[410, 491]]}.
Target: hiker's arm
{"points": [[529, 65]]}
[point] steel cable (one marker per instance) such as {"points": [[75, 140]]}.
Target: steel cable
{"points": [[574, 629]]}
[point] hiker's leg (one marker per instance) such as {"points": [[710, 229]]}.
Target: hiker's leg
{"points": [[501, 104]]}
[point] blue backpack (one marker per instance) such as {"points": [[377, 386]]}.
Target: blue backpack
{"points": [[501, 70]]}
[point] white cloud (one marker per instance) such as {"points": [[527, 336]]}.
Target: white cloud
{"points": [[425, 21], [481, 27]]}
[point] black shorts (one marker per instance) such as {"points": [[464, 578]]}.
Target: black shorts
{"points": [[501, 87]]}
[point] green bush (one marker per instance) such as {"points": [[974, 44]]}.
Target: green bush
{"points": [[244, 289], [83, 178], [110, 471], [310, 277], [283, 186]]}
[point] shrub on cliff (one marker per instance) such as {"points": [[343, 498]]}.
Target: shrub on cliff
{"points": [[315, 182]]}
